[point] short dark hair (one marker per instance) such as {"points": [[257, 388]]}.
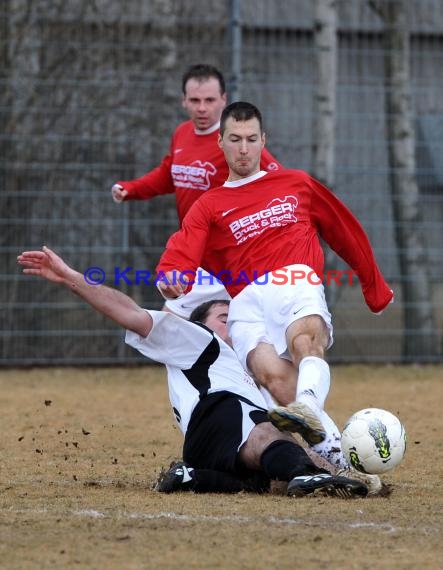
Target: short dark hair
{"points": [[201, 312], [203, 72], [240, 111]]}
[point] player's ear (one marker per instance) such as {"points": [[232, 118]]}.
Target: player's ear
{"points": [[263, 140], [220, 141]]}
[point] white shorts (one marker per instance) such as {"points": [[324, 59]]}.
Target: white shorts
{"points": [[205, 288], [263, 312]]}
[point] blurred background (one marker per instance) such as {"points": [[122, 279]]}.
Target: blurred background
{"points": [[350, 90]]}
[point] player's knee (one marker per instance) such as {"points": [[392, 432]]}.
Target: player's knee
{"points": [[260, 438], [276, 382], [307, 337], [279, 383], [269, 369], [307, 345]]}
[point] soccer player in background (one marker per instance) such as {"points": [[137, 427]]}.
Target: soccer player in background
{"points": [[195, 163]]}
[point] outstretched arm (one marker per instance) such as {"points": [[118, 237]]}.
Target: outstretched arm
{"points": [[345, 235], [112, 303]]}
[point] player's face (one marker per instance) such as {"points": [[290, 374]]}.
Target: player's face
{"points": [[242, 143], [204, 102], [216, 321]]}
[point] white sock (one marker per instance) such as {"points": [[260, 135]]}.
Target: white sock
{"points": [[314, 379], [313, 385], [330, 447]]}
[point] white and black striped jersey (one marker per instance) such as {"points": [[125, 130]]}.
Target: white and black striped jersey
{"points": [[198, 363]]}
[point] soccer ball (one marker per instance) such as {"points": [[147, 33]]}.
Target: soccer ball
{"points": [[373, 441]]}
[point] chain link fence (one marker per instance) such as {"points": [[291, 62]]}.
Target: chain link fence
{"points": [[90, 93]]}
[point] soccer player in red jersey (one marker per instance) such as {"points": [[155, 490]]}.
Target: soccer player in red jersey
{"points": [[195, 163], [259, 233]]}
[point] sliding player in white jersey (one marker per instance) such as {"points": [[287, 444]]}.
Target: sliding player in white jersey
{"points": [[220, 411]]}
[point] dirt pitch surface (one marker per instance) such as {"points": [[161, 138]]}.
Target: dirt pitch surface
{"points": [[82, 448]]}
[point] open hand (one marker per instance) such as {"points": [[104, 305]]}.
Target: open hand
{"points": [[44, 263]]}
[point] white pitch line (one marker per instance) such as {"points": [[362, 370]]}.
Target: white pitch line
{"points": [[92, 513]]}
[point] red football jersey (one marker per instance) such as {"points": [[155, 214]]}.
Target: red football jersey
{"points": [[195, 163], [266, 222]]}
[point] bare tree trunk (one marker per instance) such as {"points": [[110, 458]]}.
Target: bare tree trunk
{"points": [[166, 93], [235, 40], [325, 41], [420, 337]]}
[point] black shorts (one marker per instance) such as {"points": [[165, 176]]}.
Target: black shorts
{"points": [[218, 425]]}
